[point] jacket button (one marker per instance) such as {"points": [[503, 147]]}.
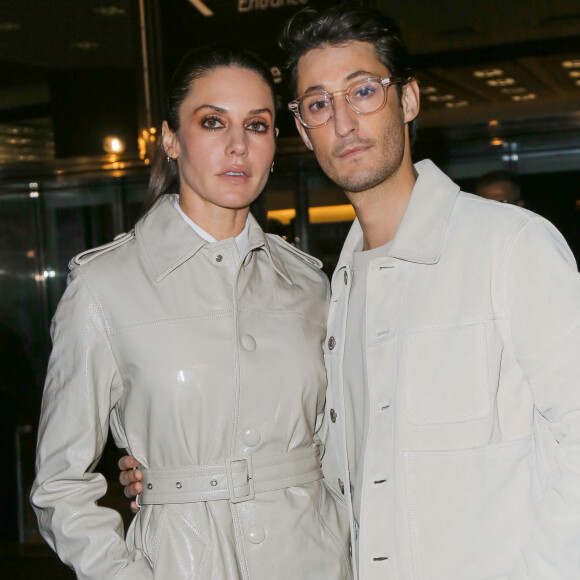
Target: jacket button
{"points": [[219, 258], [333, 415], [256, 534], [341, 485], [252, 437], [248, 342], [331, 342]]}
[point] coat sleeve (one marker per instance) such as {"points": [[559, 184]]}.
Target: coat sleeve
{"points": [[542, 293], [82, 386]]}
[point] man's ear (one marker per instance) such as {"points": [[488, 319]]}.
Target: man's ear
{"points": [[303, 133], [411, 100], [169, 139]]}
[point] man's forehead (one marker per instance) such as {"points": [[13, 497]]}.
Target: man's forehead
{"points": [[334, 63]]}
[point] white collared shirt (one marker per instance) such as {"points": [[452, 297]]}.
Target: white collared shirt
{"points": [[242, 239]]}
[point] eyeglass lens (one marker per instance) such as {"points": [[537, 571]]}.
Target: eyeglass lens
{"points": [[364, 97]]}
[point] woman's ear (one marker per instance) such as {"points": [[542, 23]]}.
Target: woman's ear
{"points": [[169, 140]]}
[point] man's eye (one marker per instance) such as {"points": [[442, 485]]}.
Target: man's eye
{"points": [[318, 105], [364, 92]]}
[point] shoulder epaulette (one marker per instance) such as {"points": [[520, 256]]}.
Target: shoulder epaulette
{"points": [[303, 255], [88, 255]]}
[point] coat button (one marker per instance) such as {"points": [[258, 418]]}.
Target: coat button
{"points": [[333, 415], [256, 534], [252, 437], [331, 342], [341, 485], [219, 258], [248, 342]]}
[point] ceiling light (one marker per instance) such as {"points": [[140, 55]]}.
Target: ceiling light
{"points": [[496, 142], [428, 90], [493, 123], [578, 83], [441, 98], [109, 11], [575, 74], [113, 144], [487, 73], [528, 97], [9, 26], [513, 90], [84, 45], [457, 105], [506, 82], [575, 63]]}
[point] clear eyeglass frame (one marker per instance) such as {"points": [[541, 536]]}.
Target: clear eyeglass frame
{"points": [[385, 82]]}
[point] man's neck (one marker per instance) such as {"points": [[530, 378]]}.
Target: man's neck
{"points": [[380, 210]]}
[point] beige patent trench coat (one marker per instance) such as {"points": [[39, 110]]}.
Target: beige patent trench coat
{"points": [[210, 372]]}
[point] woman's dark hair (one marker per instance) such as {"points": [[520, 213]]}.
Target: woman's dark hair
{"points": [[194, 65], [309, 29]]}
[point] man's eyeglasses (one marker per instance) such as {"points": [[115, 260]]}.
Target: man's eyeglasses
{"points": [[365, 97]]}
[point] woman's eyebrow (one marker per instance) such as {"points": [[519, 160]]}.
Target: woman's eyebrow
{"points": [[212, 107], [262, 110]]}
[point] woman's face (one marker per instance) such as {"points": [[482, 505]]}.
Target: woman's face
{"points": [[225, 143]]}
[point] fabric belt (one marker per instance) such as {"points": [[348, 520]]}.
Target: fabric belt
{"points": [[238, 479]]}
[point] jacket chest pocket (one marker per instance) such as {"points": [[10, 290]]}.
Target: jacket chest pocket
{"points": [[445, 375]]}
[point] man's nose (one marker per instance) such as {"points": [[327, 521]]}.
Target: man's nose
{"points": [[345, 119]]}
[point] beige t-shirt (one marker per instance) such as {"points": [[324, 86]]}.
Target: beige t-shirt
{"points": [[355, 375]]}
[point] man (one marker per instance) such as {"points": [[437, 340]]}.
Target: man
{"points": [[453, 407], [500, 186]]}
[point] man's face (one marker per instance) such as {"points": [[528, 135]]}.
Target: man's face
{"points": [[358, 152]]}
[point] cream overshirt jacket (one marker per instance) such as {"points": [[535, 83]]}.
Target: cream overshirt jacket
{"points": [[472, 464], [193, 359]]}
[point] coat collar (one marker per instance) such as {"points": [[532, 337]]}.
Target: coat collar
{"points": [[166, 241], [422, 231]]}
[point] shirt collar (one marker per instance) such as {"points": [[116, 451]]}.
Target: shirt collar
{"points": [[422, 231], [166, 241], [242, 240]]}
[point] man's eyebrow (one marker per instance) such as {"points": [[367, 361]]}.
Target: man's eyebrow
{"points": [[359, 73], [349, 77]]}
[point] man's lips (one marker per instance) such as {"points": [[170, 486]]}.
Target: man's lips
{"points": [[352, 150]]}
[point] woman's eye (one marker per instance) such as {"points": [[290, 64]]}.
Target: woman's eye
{"points": [[211, 123], [258, 126]]}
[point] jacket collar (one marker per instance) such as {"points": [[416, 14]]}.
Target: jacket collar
{"points": [[166, 241], [422, 231]]}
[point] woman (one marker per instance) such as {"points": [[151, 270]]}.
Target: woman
{"points": [[199, 339]]}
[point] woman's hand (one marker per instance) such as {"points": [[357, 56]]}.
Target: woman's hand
{"points": [[130, 477]]}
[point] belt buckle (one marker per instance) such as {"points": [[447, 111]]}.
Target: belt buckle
{"points": [[234, 498]]}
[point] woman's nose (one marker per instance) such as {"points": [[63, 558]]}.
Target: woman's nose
{"points": [[237, 144]]}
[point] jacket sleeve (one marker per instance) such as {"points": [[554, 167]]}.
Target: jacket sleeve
{"points": [[542, 293], [82, 386]]}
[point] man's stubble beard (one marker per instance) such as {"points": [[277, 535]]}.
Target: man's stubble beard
{"points": [[391, 148]]}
